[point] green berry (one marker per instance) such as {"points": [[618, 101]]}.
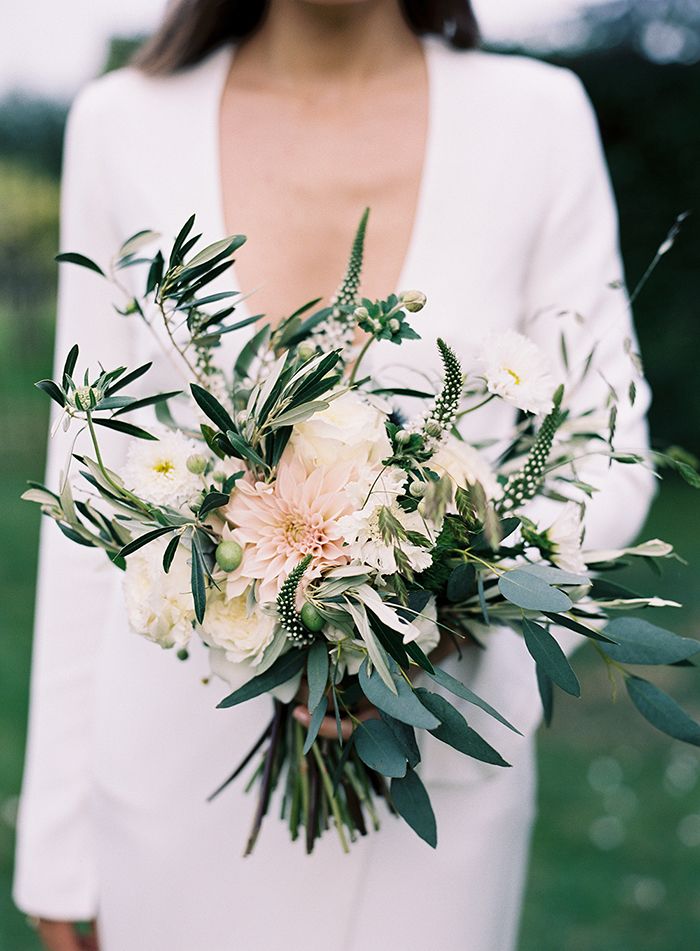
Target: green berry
{"points": [[311, 617], [229, 555]]}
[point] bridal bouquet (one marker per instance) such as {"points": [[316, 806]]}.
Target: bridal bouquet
{"points": [[328, 549]]}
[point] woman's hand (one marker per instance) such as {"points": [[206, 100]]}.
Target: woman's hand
{"points": [[329, 728], [64, 936]]}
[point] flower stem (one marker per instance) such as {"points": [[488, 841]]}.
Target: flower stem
{"points": [[328, 786], [365, 347]]}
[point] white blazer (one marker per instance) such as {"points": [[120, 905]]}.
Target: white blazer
{"points": [[515, 218]]}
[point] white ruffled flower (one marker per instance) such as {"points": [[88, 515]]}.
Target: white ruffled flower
{"points": [[564, 536], [362, 533], [157, 471], [515, 369], [464, 465], [159, 605], [350, 430]]}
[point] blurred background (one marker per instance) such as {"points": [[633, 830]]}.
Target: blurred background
{"points": [[616, 861]]}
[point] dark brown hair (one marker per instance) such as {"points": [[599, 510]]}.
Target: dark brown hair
{"points": [[193, 28]]}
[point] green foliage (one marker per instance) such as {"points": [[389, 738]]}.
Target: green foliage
{"points": [[412, 802]]}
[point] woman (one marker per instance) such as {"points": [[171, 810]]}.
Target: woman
{"points": [[489, 192]]}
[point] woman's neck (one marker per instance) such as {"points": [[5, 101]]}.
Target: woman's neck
{"points": [[304, 44]]}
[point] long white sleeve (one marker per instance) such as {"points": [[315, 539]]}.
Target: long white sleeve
{"points": [[55, 867], [575, 260]]}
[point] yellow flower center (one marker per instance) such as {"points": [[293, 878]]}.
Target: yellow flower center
{"points": [[514, 375], [163, 467]]}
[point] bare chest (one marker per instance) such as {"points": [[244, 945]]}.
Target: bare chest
{"points": [[297, 174]]}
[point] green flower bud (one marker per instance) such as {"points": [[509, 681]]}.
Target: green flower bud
{"points": [[85, 397], [305, 351], [361, 313], [394, 325], [219, 476], [182, 654], [417, 489], [311, 617], [196, 463], [413, 301], [229, 555], [433, 429], [195, 503]]}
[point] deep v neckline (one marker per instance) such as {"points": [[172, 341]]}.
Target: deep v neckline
{"points": [[221, 64]]}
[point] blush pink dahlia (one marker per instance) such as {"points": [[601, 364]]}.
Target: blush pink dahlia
{"points": [[293, 516]]}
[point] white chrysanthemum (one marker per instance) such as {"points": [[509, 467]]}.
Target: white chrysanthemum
{"points": [[350, 430], [515, 369], [159, 605], [243, 635], [157, 471], [464, 465], [564, 537]]}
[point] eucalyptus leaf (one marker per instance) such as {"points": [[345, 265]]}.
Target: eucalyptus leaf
{"points": [[412, 803], [546, 691], [403, 705], [578, 626], [462, 583], [315, 724], [406, 736], [554, 575], [456, 687], [550, 657], [379, 749], [526, 590], [456, 732], [317, 664], [639, 642], [662, 711]]}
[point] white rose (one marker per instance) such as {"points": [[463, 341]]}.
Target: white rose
{"points": [[464, 465], [350, 430], [159, 605], [243, 635]]}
